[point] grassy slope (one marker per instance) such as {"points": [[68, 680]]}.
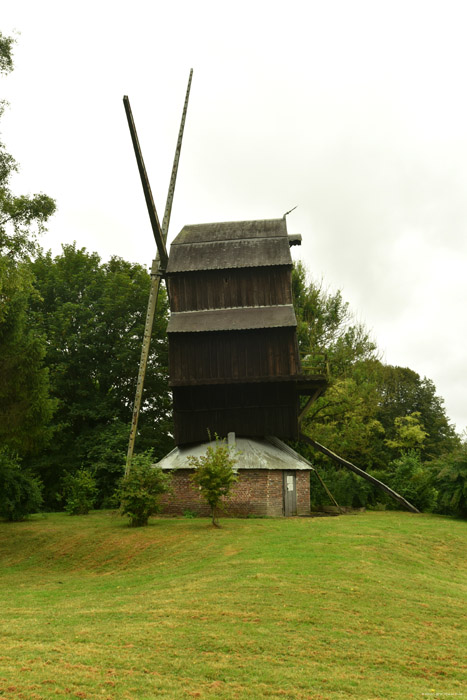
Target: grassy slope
{"points": [[366, 606]]}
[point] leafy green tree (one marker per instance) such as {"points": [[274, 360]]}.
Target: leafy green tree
{"points": [[403, 393], [332, 344], [25, 404], [409, 433], [450, 478], [214, 474], [371, 413], [409, 477], [141, 489], [93, 316], [20, 491]]}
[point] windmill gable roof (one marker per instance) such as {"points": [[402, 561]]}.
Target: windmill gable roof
{"points": [[231, 244]]}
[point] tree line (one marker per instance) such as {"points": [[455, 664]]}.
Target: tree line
{"points": [[71, 327]]}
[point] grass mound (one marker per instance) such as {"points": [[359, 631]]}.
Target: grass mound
{"points": [[368, 606]]}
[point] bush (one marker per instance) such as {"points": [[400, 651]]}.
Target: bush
{"points": [[450, 475], [80, 492], [141, 489], [20, 491], [214, 475], [410, 478]]}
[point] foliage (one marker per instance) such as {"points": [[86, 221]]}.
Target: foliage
{"points": [[214, 474], [347, 488], [25, 404], [329, 339], [6, 57], [450, 475], [80, 492], [402, 392], [370, 411], [20, 491], [141, 489], [93, 314], [409, 477], [409, 433]]}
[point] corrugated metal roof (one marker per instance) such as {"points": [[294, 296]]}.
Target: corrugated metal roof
{"points": [[231, 230], [223, 255], [270, 453], [232, 319]]}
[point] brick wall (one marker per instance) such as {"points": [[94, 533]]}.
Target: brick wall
{"points": [[303, 492], [257, 492]]}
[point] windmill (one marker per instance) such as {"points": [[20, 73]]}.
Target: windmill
{"points": [[234, 365], [159, 264]]}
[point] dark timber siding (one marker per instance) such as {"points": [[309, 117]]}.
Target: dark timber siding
{"points": [[247, 409], [218, 358], [216, 289]]}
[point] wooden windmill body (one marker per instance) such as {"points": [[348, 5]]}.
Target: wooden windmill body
{"points": [[234, 365]]}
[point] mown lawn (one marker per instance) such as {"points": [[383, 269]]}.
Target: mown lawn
{"points": [[367, 606]]}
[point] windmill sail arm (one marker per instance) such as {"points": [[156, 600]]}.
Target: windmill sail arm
{"points": [[156, 228], [173, 178], [345, 463]]}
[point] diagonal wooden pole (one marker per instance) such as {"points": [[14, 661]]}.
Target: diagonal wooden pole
{"points": [[156, 273], [345, 463]]}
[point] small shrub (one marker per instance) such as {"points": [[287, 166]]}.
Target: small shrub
{"points": [[189, 514], [214, 474], [141, 489], [20, 491], [80, 491]]}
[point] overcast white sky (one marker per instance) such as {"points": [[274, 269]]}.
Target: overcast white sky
{"points": [[356, 111]]}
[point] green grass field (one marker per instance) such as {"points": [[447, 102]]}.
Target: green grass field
{"points": [[366, 606]]}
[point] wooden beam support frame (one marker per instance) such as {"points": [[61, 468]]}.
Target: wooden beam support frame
{"points": [[345, 463]]}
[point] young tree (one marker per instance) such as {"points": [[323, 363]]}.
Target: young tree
{"points": [[141, 489], [215, 475]]}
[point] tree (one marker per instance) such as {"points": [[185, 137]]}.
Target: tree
{"points": [[331, 343], [450, 478], [214, 474], [25, 404], [93, 315], [20, 491], [403, 393], [371, 413]]}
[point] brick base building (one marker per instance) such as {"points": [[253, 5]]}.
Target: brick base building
{"points": [[273, 480]]}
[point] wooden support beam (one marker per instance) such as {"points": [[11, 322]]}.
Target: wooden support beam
{"points": [[345, 463]]}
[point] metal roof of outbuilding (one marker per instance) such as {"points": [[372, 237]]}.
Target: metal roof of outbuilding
{"points": [[251, 453], [243, 318]]}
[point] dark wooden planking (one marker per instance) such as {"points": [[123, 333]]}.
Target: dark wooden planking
{"points": [[230, 288], [193, 426], [203, 357]]}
